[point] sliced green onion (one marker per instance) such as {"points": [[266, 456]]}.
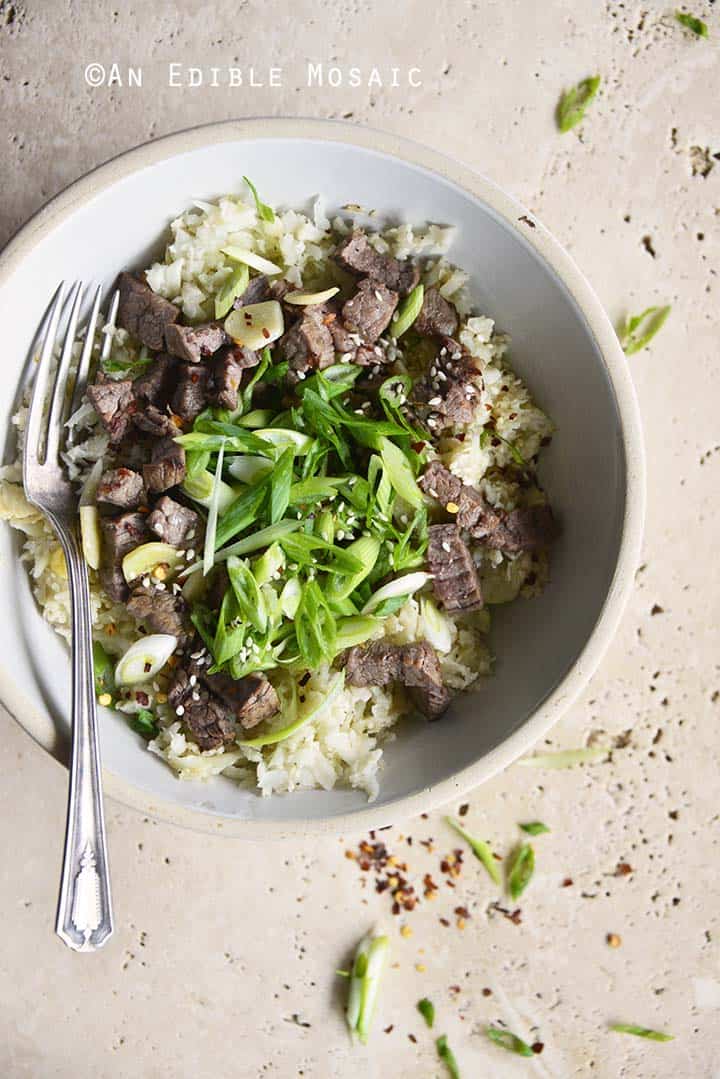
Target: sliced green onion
{"points": [[407, 312], [264, 212], [256, 262], [691, 22], [250, 599], [404, 586], [639, 330], [290, 597], [520, 870], [102, 670], [573, 103], [282, 437], [565, 758], [642, 1032], [306, 299], [269, 565], [145, 658], [256, 542], [90, 535], [233, 287], [213, 510], [437, 629], [314, 488], [507, 1040], [366, 551], [370, 960], [249, 469], [535, 827], [143, 559], [353, 630], [427, 1010], [400, 473], [201, 486], [92, 482], [259, 417], [279, 735], [480, 849], [145, 723], [448, 1057], [280, 483]]}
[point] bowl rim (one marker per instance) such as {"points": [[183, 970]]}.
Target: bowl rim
{"points": [[526, 225]]}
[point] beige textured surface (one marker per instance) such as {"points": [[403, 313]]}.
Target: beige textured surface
{"points": [[225, 950]]}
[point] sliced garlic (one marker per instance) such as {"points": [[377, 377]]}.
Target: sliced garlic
{"points": [[305, 299], [145, 658], [257, 325], [257, 262], [143, 559], [90, 535]]}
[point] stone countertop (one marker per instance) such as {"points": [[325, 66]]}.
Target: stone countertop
{"points": [[223, 959]]}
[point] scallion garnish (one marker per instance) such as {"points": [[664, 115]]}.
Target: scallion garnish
{"points": [[642, 1032], [691, 22], [264, 212], [566, 758], [520, 870], [638, 330], [427, 1010], [535, 827], [573, 103], [480, 849], [365, 977], [507, 1040], [447, 1056]]}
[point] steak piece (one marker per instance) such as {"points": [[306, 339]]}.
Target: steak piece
{"points": [[143, 313], [226, 371], [357, 255], [195, 343], [451, 389], [466, 503], [206, 720], [174, 524], [160, 611], [421, 674], [455, 578], [121, 487], [438, 317], [251, 699], [369, 311], [526, 529], [258, 291], [120, 535], [114, 402], [154, 422], [191, 393], [167, 466], [416, 665], [155, 386], [308, 345]]}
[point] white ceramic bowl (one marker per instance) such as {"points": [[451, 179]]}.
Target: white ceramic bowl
{"points": [[562, 345]]}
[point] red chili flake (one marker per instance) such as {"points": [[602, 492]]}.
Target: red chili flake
{"points": [[142, 698], [462, 912], [462, 811], [389, 1029], [537, 1047], [622, 869], [424, 816], [568, 882], [444, 921], [455, 989], [194, 377], [487, 992], [382, 885], [326, 321], [419, 447], [412, 1038], [265, 332], [395, 908], [305, 678], [514, 916]]}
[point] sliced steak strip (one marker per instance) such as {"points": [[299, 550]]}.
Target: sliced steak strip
{"points": [[227, 368], [120, 535], [160, 611], [143, 313], [308, 345], [415, 665], [251, 699], [154, 422], [455, 578], [174, 524], [206, 719], [357, 255], [467, 504], [195, 343], [114, 402], [438, 317], [421, 674], [155, 386], [526, 529], [167, 466], [121, 487], [192, 390], [369, 311], [451, 389]]}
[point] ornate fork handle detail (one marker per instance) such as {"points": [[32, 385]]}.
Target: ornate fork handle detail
{"points": [[84, 916]]}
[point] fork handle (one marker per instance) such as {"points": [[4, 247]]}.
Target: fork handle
{"points": [[84, 916]]}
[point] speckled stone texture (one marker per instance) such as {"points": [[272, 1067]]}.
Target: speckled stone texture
{"points": [[224, 957]]}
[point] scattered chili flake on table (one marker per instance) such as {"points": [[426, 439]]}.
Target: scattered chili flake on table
{"points": [[462, 811], [537, 1047], [568, 882], [613, 940], [622, 869], [514, 916]]}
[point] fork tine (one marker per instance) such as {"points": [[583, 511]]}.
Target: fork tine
{"points": [[59, 395], [110, 325], [83, 367], [33, 426]]}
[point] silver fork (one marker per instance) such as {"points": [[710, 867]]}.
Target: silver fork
{"points": [[84, 916]]}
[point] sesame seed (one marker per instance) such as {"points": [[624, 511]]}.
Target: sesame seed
{"points": [[193, 679], [180, 710]]}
